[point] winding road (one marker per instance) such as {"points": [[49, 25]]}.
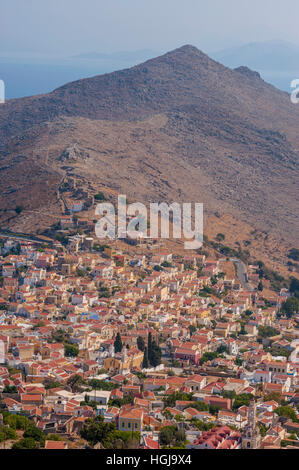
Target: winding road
{"points": [[25, 237], [242, 274]]}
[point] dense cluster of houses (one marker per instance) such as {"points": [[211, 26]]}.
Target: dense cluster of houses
{"points": [[61, 308]]}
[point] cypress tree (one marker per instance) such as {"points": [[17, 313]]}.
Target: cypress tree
{"points": [[149, 345], [118, 345], [140, 343], [260, 286], [145, 359], [156, 354]]}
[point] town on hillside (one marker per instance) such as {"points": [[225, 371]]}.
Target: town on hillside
{"points": [[138, 344]]}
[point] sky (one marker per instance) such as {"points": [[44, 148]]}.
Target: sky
{"points": [[62, 28]]}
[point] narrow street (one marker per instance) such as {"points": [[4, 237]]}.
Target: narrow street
{"points": [[242, 274]]}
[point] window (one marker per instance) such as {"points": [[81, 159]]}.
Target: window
{"points": [[129, 425], [248, 444], [122, 424], [136, 425]]}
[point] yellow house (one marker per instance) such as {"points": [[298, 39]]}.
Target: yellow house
{"points": [[109, 251], [112, 363], [222, 329], [128, 359], [203, 313], [153, 323], [26, 351], [130, 419]]}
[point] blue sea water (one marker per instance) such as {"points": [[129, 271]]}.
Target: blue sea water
{"points": [[26, 79], [31, 78]]}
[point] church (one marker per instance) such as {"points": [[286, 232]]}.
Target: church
{"points": [[251, 438]]}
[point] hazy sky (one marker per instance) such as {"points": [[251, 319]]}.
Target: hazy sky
{"points": [[67, 27]]}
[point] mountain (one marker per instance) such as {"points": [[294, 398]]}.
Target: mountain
{"points": [[178, 127]]}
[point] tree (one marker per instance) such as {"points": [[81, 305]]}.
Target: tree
{"points": [[54, 437], [208, 356], [213, 409], [267, 331], [225, 250], [52, 384], [155, 354], [228, 394], [242, 330], [39, 324], [122, 440], [10, 389], [221, 275], [263, 429], [260, 286], [290, 307], [154, 351], [275, 396], [294, 254], [7, 433], [220, 237], [118, 345], [71, 350], [33, 432], [172, 436], [166, 264], [81, 272], [294, 287], [248, 313], [145, 363], [96, 430], [16, 421], [99, 197], [25, 443], [97, 384], [119, 402], [242, 399], [74, 382], [140, 343], [158, 268], [167, 414], [169, 400], [149, 341], [201, 425], [223, 348], [192, 329], [19, 209], [287, 412], [199, 405]]}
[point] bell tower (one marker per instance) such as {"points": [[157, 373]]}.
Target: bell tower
{"points": [[251, 438]]}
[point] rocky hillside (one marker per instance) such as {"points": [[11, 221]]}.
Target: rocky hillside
{"points": [[178, 127]]}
